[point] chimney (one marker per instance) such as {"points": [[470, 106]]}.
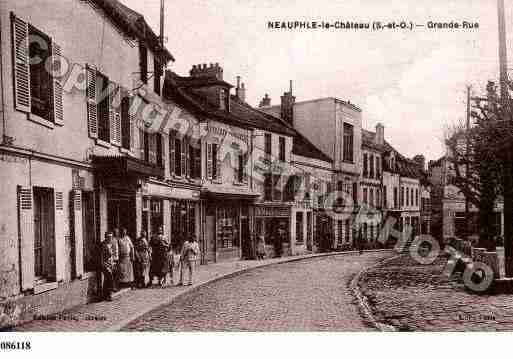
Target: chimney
{"points": [[240, 91], [380, 134], [421, 160], [266, 101], [287, 106], [212, 70]]}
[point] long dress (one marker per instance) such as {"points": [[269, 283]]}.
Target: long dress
{"points": [[126, 255], [160, 256], [142, 260]]}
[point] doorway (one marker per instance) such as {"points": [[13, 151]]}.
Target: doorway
{"points": [[121, 214]]}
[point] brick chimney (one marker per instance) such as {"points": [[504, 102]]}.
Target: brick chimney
{"points": [[212, 70], [421, 160], [380, 134], [266, 101], [240, 91], [287, 106]]}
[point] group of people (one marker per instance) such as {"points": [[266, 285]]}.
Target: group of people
{"points": [[136, 264]]}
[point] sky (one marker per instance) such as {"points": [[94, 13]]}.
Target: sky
{"points": [[413, 82]]}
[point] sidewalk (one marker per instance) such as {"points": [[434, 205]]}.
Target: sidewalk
{"points": [[112, 316]]}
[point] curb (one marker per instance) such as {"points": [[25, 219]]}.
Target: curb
{"points": [[119, 326], [363, 302]]}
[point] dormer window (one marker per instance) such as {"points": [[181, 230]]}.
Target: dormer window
{"points": [[224, 100]]}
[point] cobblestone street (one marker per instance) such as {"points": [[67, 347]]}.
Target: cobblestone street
{"points": [[312, 294], [412, 297]]}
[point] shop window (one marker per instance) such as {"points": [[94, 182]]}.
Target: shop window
{"points": [[227, 227], [44, 233], [299, 227]]}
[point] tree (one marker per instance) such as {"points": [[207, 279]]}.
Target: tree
{"points": [[480, 151]]}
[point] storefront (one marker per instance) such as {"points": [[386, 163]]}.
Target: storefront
{"points": [[227, 223], [268, 219]]}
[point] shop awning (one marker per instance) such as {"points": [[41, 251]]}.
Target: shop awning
{"points": [[124, 165], [228, 194]]}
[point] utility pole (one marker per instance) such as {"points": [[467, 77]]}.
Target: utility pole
{"points": [[162, 23], [507, 166], [467, 161]]}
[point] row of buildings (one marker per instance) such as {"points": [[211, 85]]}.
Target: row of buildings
{"points": [[97, 135]]}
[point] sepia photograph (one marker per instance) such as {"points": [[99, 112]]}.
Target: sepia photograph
{"points": [[245, 167]]}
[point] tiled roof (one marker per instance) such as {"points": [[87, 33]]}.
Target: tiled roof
{"points": [[241, 114], [200, 81], [303, 147], [133, 24]]}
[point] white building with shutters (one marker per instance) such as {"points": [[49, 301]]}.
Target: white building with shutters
{"points": [[74, 163]]}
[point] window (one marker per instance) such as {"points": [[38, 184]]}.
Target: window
{"points": [[267, 144], [272, 190], [355, 192], [365, 237], [396, 203], [44, 233], [227, 227], [365, 166], [371, 166], [215, 167], [178, 157], [378, 167], [183, 221], [158, 139], [143, 63], [282, 149], [385, 197], [240, 169], [348, 229], [103, 108], [299, 227], [411, 196], [157, 73], [407, 196], [40, 79], [340, 186], [340, 237], [125, 122], [416, 196], [371, 232], [348, 143], [402, 196], [224, 100], [371, 195], [365, 195], [146, 144]]}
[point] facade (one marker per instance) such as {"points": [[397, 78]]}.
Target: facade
{"points": [[75, 161], [448, 205]]}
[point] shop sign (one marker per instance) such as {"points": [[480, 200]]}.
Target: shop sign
{"points": [[272, 212]]}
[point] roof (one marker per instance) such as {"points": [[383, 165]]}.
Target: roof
{"points": [[134, 24], [405, 167], [303, 147], [177, 89], [203, 81]]}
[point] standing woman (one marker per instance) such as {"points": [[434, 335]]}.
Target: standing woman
{"points": [[126, 258], [142, 261], [160, 257]]}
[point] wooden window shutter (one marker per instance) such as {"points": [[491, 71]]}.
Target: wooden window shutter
{"points": [[183, 157], [91, 93], [133, 125], [171, 152], [26, 236], [197, 171], [76, 205], [58, 111], [115, 115], [141, 143], [20, 38], [210, 163], [60, 240], [245, 167], [188, 159], [217, 160], [152, 147]]}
